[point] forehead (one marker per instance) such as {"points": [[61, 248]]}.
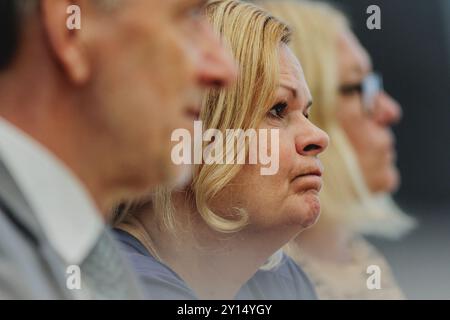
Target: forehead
{"points": [[289, 65], [352, 56], [291, 72]]}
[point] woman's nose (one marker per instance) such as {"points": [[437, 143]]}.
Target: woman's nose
{"points": [[311, 142], [387, 111]]}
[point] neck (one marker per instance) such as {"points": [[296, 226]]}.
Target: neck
{"points": [[326, 241], [215, 265], [38, 102]]}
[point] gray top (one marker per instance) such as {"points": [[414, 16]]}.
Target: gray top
{"points": [[30, 268], [286, 282]]}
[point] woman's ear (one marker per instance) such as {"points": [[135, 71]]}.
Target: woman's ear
{"points": [[64, 41]]}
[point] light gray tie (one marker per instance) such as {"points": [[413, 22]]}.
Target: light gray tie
{"points": [[106, 272]]}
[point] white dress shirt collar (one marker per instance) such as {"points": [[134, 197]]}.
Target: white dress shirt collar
{"points": [[63, 207]]}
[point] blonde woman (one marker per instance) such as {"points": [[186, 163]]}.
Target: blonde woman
{"points": [[218, 238], [351, 106]]}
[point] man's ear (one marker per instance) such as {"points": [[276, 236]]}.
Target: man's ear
{"points": [[66, 45]]}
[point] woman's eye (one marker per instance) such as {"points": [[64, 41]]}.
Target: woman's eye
{"points": [[278, 110], [307, 115], [351, 89]]}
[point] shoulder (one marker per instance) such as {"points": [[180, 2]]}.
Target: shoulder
{"points": [[287, 281], [157, 280]]}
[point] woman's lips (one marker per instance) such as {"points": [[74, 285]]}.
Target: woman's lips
{"points": [[309, 181]]}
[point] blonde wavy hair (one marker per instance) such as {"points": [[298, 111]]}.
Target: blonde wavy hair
{"points": [[254, 38], [345, 197]]}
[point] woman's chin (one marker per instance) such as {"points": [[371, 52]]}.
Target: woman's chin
{"points": [[386, 183], [308, 210], [314, 212], [394, 181]]}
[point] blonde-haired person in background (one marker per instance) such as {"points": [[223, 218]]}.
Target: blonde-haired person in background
{"points": [[218, 238], [360, 173]]}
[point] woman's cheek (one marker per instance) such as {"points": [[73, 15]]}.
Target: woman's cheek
{"points": [[287, 154]]}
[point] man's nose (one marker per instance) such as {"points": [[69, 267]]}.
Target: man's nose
{"points": [[217, 67]]}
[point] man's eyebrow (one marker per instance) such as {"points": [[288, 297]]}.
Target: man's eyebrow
{"points": [[309, 104]]}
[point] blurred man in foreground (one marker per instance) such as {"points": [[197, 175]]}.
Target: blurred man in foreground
{"points": [[85, 121]]}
